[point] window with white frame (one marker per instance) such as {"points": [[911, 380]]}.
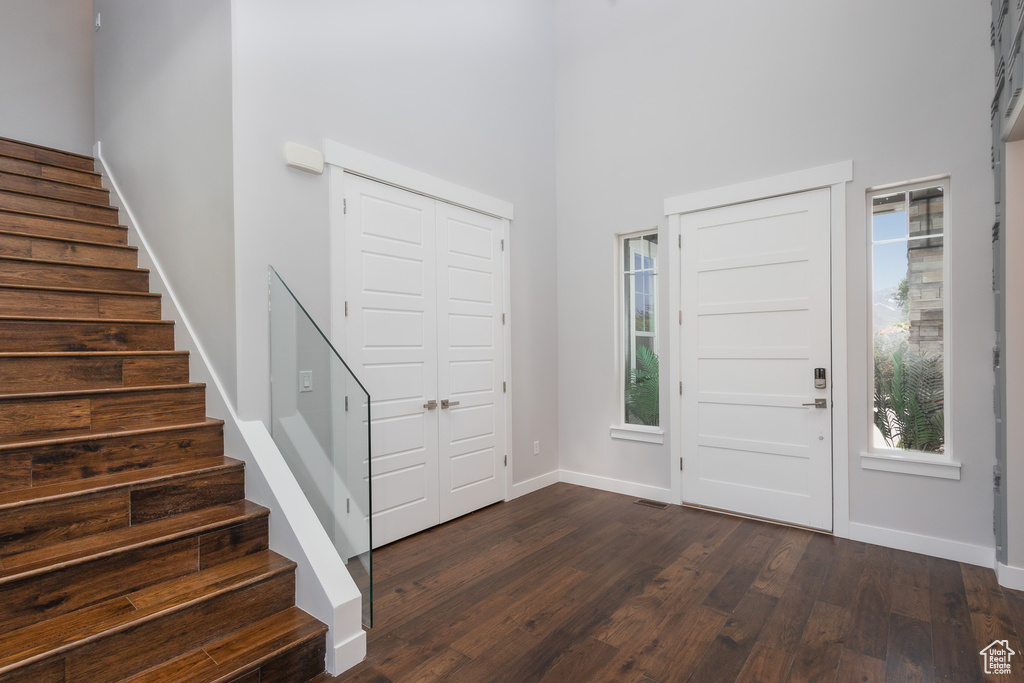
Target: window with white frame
{"points": [[909, 273], [639, 368]]}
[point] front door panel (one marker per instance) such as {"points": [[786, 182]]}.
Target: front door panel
{"points": [[756, 323]]}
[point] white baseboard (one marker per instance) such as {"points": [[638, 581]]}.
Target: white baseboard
{"points": [[535, 484], [1010, 577], [350, 652], [926, 545], [627, 488]]}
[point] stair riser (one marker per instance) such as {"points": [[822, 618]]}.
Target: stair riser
{"points": [[59, 463], [33, 526], [48, 671], [13, 148], [125, 653], [50, 189], [34, 599], [299, 664], [67, 416], [13, 201], [68, 252], [37, 170], [44, 304], [233, 542], [177, 496], [70, 373], [13, 272], [61, 229], [45, 336]]}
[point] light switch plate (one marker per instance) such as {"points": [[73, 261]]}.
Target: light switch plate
{"points": [[305, 381]]}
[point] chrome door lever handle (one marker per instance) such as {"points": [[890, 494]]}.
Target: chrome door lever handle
{"points": [[430, 405], [818, 403], [445, 403]]}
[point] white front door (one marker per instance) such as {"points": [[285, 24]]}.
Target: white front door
{"points": [[424, 333], [756, 324]]}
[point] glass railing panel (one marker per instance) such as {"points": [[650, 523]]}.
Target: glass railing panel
{"points": [[320, 420]]}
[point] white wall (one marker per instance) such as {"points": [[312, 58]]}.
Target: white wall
{"points": [[163, 117], [46, 73], [458, 89], [662, 98]]}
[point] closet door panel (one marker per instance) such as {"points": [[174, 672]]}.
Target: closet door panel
{"points": [[470, 362], [392, 341]]}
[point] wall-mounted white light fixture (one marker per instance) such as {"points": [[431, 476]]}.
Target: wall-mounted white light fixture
{"points": [[303, 158]]}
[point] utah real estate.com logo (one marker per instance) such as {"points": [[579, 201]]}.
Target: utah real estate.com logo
{"points": [[997, 657]]}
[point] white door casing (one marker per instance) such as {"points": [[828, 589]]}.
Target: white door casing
{"points": [[424, 295], [755, 299]]}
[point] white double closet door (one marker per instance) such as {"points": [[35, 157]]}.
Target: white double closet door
{"points": [[423, 288]]}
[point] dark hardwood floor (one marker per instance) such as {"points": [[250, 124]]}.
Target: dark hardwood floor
{"points": [[572, 584]]}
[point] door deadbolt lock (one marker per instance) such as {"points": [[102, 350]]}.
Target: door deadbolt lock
{"points": [[818, 403], [819, 378]]}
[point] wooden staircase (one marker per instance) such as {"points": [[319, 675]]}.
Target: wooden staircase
{"points": [[127, 549]]}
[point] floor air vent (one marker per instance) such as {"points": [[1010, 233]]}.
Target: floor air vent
{"points": [[651, 503]]}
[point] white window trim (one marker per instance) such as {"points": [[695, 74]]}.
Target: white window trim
{"points": [[910, 462], [919, 463], [641, 433], [623, 430]]}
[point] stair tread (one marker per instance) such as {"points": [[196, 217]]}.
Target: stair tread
{"points": [[134, 394], [63, 219], [238, 652], [127, 247], [68, 208], [106, 543], [50, 262], [84, 157], [88, 354], [104, 321], [41, 169], [78, 438], [49, 492], [80, 290], [29, 176], [61, 190], [33, 195], [61, 633], [105, 391]]}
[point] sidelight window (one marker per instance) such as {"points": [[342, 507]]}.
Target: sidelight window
{"points": [[909, 277], [640, 371]]}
